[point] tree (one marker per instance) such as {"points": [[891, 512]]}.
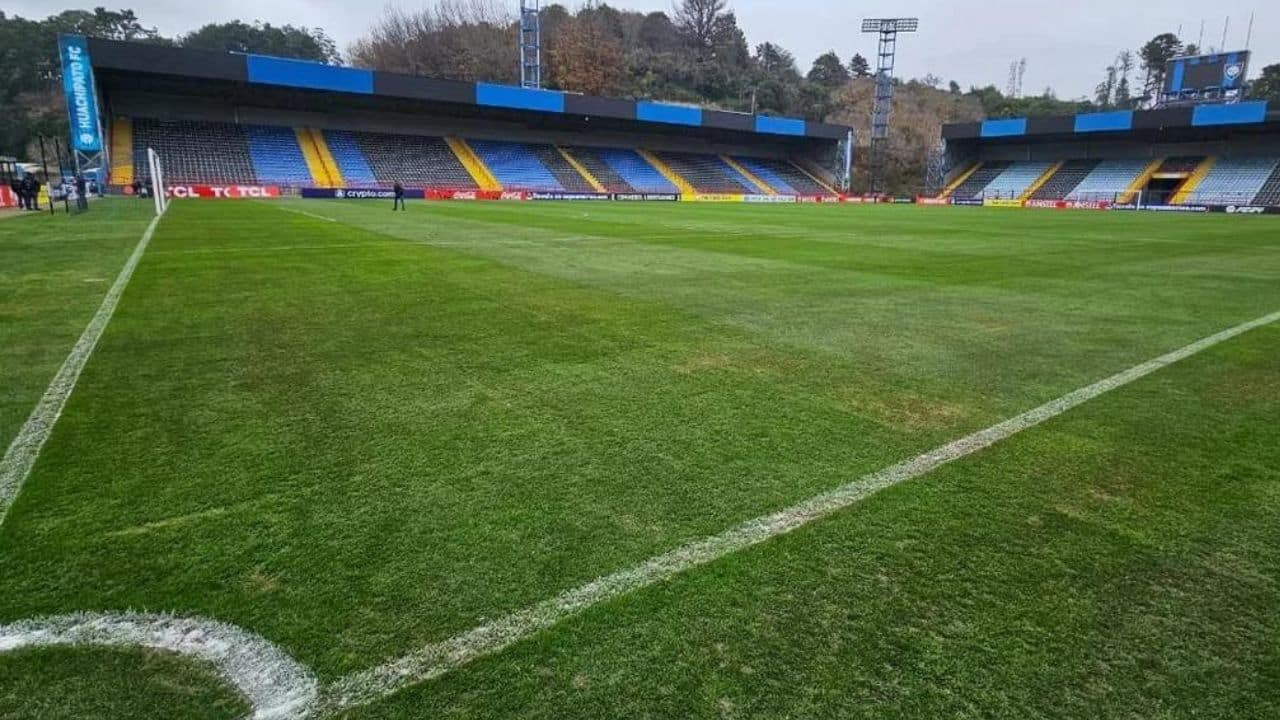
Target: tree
{"points": [[1155, 55], [1105, 93], [954, 88], [828, 71], [265, 39], [585, 57], [696, 20], [1267, 86], [859, 67], [1124, 66]]}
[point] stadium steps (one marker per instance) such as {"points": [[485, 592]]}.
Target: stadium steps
{"points": [[979, 179], [1065, 180], [800, 180], [815, 174], [596, 162], [707, 173], [768, 175], [414, 160], [1234, 181], [587, 175], [277, 156], [959, 180], [1270, 193], [1042, 180], [516, 166], [749, 176], [348, 161], [1191, 183], [564, 171], [326, 158], [673, 177], [1107, 180], [1012, 184], [484, 179], [1141, 181], [320, 175], [122, 151], [195, 152]]}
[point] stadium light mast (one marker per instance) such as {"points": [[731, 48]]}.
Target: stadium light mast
{"points": [[531, 44], [888, 29]]}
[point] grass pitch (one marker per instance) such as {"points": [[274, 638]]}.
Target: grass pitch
{"points": [[356, 433]]}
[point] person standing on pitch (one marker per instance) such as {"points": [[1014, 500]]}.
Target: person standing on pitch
{"points": [[398, 189]]}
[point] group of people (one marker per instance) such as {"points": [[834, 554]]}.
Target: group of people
{"points": [[27, 189]]}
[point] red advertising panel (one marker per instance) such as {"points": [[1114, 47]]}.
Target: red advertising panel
{"points": [[476, 195], [7, 198], [222, 192]]}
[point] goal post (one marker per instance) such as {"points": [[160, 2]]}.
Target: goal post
{"points": [[158, 194]]}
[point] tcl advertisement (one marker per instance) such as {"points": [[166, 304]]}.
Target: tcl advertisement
{"points": [[222, 192]]}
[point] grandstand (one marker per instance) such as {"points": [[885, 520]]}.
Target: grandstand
{"points": [[221, 119], [1197, 157]]}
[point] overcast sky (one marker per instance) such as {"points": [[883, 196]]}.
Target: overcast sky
{"points": [[1067, 43]]}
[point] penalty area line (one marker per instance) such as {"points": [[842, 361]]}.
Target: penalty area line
{"points": [[440, 658], [21, 456]]}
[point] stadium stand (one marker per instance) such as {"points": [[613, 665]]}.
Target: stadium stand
{"points": [[1067, 179], [1014, 182], [1234, 181], [195, 152], [277, 157], [1270, 193], [515, 166], [976, 183], [593, 160], [565, 173], [706, 173], [1109, 180], [768, 175], [350, 161], [413, 160], [635, 170], [786, 173], [1179, 165]]}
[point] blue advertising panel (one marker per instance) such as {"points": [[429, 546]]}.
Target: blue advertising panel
{"points": [[81, 96]]}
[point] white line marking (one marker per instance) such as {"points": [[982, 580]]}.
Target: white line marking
{"points": [[274, 684], [25, 448], [440, 658], [308, 214]]}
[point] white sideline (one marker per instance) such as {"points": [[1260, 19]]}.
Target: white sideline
{"points": [[25, 448], [438, 659], [275, 685]]}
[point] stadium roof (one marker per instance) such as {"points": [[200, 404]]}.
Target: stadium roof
{"points": [[137, 59], [1204, 117]]}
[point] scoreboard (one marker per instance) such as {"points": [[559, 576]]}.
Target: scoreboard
{"points": [[1205, 78]]}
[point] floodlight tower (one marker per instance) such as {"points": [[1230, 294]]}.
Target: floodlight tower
{"points": [[888, 29], [530, 44]]}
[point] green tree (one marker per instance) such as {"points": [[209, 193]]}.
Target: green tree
{"points": [[828, 71], [265, 39], [1155, 55], [859, 67], [1267, 86]]}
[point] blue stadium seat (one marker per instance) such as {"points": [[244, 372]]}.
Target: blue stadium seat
{"points": [[516, 166], [277, 159], [636, 171], [351, 161], [767, 175]]}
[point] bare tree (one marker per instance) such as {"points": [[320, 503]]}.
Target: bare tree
{"points": [[698, 20]]}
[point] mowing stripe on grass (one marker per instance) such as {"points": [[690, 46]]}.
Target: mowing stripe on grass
{"points": [[307, 214], [440, 658], [274, 684], [25, 448]]}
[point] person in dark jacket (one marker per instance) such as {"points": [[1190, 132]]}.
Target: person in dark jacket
{"points": [[137, 187], [398, 203], [30, 189], [82, 193]]}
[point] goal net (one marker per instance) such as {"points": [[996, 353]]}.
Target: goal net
{"points": [[158, 187]]}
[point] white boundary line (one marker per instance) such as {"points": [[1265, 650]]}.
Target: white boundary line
{"points": [[295, 211], [275, 685], [440, 658], [25, 448]]}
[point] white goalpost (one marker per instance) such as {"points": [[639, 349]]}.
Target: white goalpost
{"points": [[157, 181]]}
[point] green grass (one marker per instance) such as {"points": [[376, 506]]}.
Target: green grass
{"points": [[358, 437]]}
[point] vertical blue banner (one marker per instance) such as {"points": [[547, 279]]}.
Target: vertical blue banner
{"points": [[81, 96]]}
